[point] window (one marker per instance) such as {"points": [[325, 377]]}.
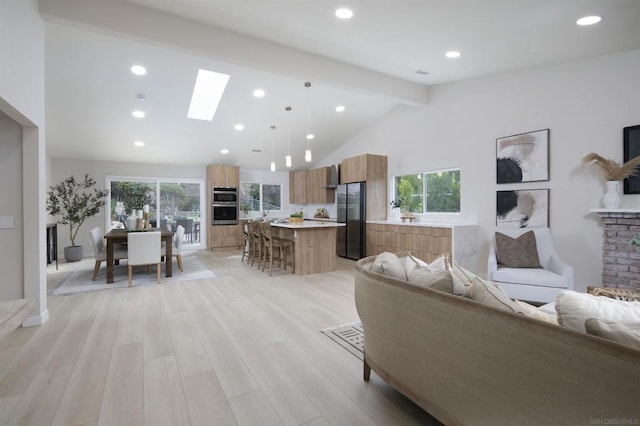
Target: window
{"points": [[429, 192], [255, 197], [168, 199]]}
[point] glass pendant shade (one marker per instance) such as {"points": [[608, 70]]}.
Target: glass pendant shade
{"points": [[273, 166], [307, 155], [287, 160]]}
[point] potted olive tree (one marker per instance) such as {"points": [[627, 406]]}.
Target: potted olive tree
{"points": [[74, 201]]}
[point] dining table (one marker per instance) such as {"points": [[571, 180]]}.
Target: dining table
{"points": [[116, 236]]}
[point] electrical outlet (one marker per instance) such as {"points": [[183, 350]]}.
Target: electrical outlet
{"points": [[6, 222]]}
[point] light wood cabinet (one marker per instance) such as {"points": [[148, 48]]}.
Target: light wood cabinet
{"points": [[225, 236], [297, 187], [316, 186], [425, 242], [220, 175], [372, 169], [310, 186]]}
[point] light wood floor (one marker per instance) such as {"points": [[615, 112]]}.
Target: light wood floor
{"points": [[242, 348]]}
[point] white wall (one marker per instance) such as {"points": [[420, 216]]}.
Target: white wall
{"points": [[585, 104], [11, 285], [22, 99]]}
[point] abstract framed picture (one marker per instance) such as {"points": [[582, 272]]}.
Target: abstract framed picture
{"points": [[631, 149], [525, 208], [523, 157]]}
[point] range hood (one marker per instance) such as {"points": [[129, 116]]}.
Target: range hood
{"points": [[334, 177]]}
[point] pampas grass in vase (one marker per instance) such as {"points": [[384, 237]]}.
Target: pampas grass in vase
{"points": [[613, 172]]}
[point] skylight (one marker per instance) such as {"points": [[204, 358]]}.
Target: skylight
{"points": [[207, 93]]}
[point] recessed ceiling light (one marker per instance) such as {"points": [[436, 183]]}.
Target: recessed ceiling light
{"points": [[224, 151], [138, 70], [258, 93], [207, 94], [138, 114], [340, 108], [138, 143], [452, 54], [239, 127], [589, 20], [310, 136], [344, 13]]}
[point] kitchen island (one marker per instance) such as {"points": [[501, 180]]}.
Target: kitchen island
{"points": [[314, 244]]}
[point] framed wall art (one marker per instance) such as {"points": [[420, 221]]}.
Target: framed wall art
{"points": [[523, 157], [631, 148], [522, 208]]}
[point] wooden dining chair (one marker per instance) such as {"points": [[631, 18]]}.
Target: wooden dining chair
{"points": [[144, 249]]}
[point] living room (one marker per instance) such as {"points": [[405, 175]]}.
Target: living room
{"points": [[585, 102]]}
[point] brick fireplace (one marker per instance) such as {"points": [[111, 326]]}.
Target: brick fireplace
{"points": [[620, 261]]}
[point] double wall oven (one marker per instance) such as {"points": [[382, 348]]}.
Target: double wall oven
{"points": [[224, 206]]}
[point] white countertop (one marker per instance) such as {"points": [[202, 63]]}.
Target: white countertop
{"points": [[309, 224], [429, 223]]}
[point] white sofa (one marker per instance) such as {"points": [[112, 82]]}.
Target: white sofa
{"points": [[532, 284]]}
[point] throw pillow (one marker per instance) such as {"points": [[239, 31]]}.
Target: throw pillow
{"points": [[537, 313], [520, 252], [411, 262], [462, 279], [389, 264], [438, 280], [627, 333], [575, 308], [491, 294]]}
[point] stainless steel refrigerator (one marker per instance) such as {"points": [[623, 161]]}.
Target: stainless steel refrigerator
{"points": [[351, 211]]}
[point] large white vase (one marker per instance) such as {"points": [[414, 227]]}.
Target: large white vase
{"points": [[612, 198]]}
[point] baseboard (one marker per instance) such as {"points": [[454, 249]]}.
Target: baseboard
{"points": [[35, 320]]}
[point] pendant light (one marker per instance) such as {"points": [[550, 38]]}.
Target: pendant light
{"points": [[287, 158], [307, 153], [273, 163]]}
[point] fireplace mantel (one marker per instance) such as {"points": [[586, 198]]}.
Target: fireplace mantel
{"points": [[620, 261]]}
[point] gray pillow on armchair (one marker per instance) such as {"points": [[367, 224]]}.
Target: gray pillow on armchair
{"points": [[520, 252]]}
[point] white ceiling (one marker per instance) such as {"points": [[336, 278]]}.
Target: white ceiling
{"points": [[367, 64]]}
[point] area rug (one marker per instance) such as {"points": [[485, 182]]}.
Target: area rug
{"points": [[80, 280], [349, 336]]}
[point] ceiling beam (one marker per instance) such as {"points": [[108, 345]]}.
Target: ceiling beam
{"points": [[166, 30]]}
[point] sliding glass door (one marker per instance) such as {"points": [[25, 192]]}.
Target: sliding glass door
{"points": [[171, 202]]}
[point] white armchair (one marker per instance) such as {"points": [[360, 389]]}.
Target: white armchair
{"points": [[532, 284]]}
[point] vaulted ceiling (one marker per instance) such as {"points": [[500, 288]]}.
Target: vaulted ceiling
{"points": [[385, 57]]}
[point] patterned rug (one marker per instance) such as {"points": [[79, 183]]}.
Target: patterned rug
{"points": [[349, 336], [80, 280]]}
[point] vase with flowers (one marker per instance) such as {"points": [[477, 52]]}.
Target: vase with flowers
{"points": [[614, 173]]}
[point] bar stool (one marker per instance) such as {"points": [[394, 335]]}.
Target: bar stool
{"points": [[247, 243], [256, 242], [272, 246]]}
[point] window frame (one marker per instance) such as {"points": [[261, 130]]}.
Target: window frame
{"points": [[261, 195], [424, 195]]}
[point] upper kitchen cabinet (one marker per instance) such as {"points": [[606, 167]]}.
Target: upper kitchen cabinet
{"points": [[372, 169], [311, 186], [317, 186], [219, 175], [363, 168], [297, 187]]}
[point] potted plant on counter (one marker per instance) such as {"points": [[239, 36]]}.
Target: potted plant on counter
{"points": [[74, 201]]}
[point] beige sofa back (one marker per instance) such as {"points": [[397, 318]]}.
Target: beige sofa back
{"points": [[467, 363]]}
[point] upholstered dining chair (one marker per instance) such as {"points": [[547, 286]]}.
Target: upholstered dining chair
{"points": [[144, 249], [177, 246], [527, 267], [99, 252]]}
